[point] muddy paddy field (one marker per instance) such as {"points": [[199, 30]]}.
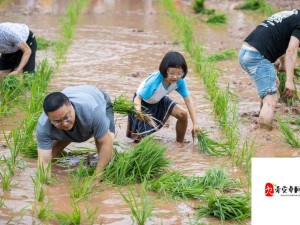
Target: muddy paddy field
{"points": [[115, 45]]}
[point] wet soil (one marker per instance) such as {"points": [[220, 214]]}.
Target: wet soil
{"points": [[116, 45]]}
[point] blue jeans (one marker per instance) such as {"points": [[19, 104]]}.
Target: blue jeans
{"points": [[261, 71]]}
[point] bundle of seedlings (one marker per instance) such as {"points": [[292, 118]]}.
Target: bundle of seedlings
{"points": [[210, 146], [176, 185], [217, 19], [226, 207], [287, 133], [125, 106], [217, 178], [198, 6], [282, 79], [145, 161]]}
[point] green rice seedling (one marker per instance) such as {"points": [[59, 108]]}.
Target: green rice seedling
{"points": [[243, 157], [221, 104], [148, 158], [119, 171], [198, 6], [10, 84], [42, 210], [210, 146], [176, 185], [282, 79], [43, 174], [43, 43], [217, 178], [123, 105], [224, 55], [39, 192], [76, 218], [67, 219], [1, 202], [141, 207], [143, 162], [6, 178], [81, 187], [257, 5], [287, 133], [217, 19], [225, 207]]}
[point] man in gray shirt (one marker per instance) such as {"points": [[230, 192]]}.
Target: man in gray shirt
{"points": [[75, 115], [17, 47]]}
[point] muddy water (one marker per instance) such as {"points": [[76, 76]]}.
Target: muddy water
{"points": [[116, 45]]}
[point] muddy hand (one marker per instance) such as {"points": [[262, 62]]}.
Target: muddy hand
{"points": [[147, 118], [289, 89]]}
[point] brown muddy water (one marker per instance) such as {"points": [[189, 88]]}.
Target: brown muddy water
{"points": [[116, 45]]}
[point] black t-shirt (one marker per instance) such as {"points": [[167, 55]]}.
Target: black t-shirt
{"points": [[272, 36]]}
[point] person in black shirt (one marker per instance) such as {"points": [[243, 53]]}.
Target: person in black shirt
{"points": [[276, 38]]}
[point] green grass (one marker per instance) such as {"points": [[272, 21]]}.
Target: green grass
{"points": [[198, 7], [287, 133], [226, 207], [257, 5], [139, 204], [219, 56], [210, 146], [145, 161], [43, 43], [217, 19]]}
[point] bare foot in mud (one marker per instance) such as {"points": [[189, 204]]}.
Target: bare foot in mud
{"points": [[265, 126]]}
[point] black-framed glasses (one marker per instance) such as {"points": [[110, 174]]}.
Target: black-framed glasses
{"points": [[177, 74], [66, 118]]}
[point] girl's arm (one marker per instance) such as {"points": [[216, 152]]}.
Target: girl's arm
{"points": [[190, 105], [138, 103]]}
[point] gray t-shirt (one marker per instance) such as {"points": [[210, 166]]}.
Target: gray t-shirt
{"points": [[90, 118], [11, 36]]}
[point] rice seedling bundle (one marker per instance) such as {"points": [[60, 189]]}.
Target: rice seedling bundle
{"points": [[287, 133], [145, 161], [218, 178], [178, 185], [210, 146], [282, 79], [235, 207], [10, 84], [125, 106]]}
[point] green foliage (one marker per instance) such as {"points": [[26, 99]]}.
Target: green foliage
{"points": [[282, 79], [10, 84], [287, 133], [257, 5], [177, 185], [43, 43], [143, 162], [141, 207], [211, 146], [217, 19], [198, 6], [123, 105], [226, 207], [224, 55]]}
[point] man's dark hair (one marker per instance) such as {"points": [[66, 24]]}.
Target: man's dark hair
{"points": [[175, 60], [54, 101]]}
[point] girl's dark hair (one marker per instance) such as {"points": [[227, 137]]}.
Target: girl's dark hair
{"points": [[175, 60], [54, 101]]}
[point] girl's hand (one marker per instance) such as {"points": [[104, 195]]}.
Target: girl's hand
{"points": [[196, 130]]}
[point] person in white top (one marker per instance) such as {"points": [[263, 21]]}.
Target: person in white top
{"points": [[18, 48]]}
